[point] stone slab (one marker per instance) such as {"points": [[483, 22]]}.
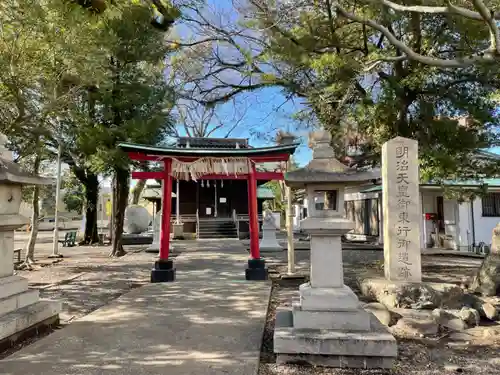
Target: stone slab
{"points": [[12, 285], [403, 294], [267, 249], [23, 318], [203, 327], [351, 320], [18, 300], [339, 361], [378, 342], [337, 299], [401, 206], [137, 239]]}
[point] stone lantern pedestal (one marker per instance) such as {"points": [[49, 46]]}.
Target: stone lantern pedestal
{"points": [[327, 326], [155, 246], [20, 307], [269, 242], [178, 231]]}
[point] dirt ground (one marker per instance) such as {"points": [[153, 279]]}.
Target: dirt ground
{"points": [[84, 280], [421, 356]]}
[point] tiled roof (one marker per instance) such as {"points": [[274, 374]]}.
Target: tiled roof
{"points": [[197, 142], [200, 152]]}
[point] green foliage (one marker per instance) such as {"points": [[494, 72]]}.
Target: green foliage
{"points": [[89, 82], [277, 204], [330, 62], [74, 193], [132, 104]]}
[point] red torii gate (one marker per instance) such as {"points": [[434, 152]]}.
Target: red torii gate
{"points": [[164, 270]]}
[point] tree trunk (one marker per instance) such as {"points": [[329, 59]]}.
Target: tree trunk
{"points": [[30, 248], [90, 182], [91, 199], [120, 191], [137, 191]]}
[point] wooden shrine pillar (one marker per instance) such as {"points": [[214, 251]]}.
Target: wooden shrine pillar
{"points": [[256, 266], [164, 270]]}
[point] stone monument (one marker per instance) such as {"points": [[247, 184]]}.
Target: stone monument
{"points": [[20, 307], [155, 246], [401, 210], [269, 243], [327, 326]]}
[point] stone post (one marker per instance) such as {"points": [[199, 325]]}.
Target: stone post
{"points": [[401, 210]]}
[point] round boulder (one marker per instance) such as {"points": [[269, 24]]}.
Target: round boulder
{"points": [[490, 311], [136, 219], [454, 324], [470, 316], [380, 311], [417, 327]]}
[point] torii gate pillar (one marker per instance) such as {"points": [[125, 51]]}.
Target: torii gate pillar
{"points": [[164, 270], [256, 266]]}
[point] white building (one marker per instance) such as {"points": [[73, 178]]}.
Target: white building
{"points": [[446, 223]]}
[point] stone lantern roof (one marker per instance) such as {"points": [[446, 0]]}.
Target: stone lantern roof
{"points": [[12, 173], [324, 167]]}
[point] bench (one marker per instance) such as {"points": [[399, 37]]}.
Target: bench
{"points": [[69, 239]]}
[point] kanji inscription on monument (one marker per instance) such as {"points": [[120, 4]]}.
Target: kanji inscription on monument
{"points": [[401, 210]]}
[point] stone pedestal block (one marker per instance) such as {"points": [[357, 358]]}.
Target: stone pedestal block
{"points": [[178, 230], [269, 243], [338, 299], [375, 348], [155, 246], [344, 320]]}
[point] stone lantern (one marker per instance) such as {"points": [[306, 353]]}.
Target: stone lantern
{"points": [[20, 307], [327, 325]]}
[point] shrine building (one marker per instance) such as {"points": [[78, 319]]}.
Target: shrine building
{"points": [[215, 185]]}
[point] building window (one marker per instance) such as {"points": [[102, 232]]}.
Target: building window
{"points": [[491, 204]]}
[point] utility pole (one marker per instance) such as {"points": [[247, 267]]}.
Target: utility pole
{"points": [[55, 241], [289, 228]]}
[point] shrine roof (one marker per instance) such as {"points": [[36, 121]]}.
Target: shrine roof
{"points": [[201, 152], [201, 142]]}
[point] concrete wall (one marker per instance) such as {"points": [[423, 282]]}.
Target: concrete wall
{"points": [[483, 225]]}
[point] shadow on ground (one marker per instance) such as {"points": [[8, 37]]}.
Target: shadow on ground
{"points": [[197, 325]]}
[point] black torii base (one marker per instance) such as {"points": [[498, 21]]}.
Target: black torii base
{"points": [[256, 270], [163, 272]]}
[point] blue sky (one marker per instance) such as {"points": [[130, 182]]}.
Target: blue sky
{"points": [[264, 111], [260, 113]]}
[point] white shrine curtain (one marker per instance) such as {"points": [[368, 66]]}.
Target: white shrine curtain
{"points": [[182, 170]]}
